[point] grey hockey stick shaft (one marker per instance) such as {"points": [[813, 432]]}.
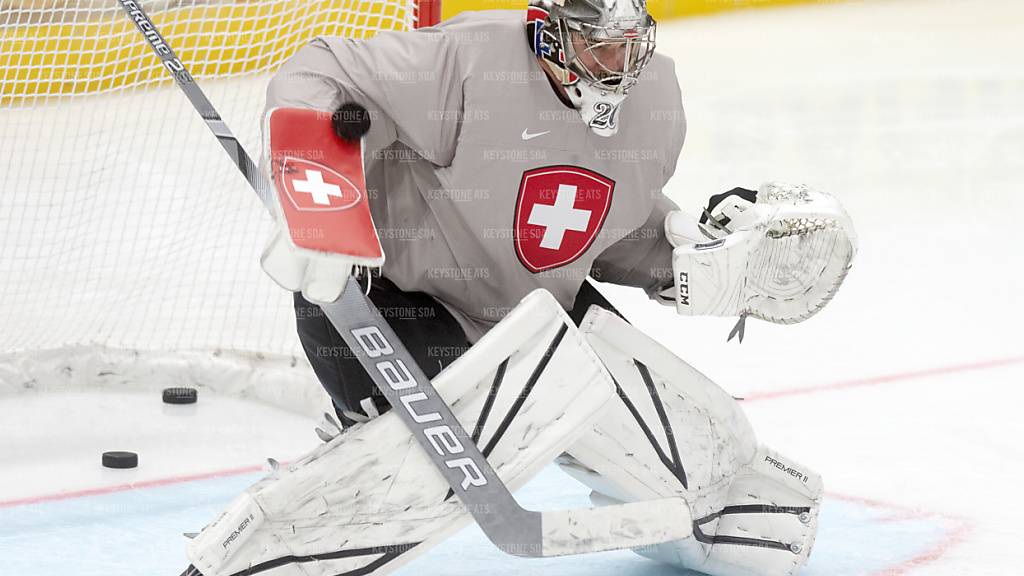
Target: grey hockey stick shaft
{"points": [[392, 368]]}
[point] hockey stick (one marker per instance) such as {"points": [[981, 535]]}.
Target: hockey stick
{"points": [[392, 368]]}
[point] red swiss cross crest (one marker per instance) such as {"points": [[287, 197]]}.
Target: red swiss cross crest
{"points": [[559, 211], [313, 187]]}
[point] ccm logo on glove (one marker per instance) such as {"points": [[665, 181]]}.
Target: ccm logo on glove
{"points": [[684, 289]]}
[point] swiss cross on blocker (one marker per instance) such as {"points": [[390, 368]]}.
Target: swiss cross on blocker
{"points": [[311, 186], [324, 202], [559, 211]]}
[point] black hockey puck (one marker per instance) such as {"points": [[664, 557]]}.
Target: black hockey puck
{"points": [[180, 395], [120, 460], [351, 121]]}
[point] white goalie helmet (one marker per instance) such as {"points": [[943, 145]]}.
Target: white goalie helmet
{"points": [[598, 48]]}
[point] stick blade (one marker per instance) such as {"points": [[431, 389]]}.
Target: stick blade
{"points": [[616, 527]]}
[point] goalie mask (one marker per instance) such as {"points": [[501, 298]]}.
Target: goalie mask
{"points": [[597, 48]]}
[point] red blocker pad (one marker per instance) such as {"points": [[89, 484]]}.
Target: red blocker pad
{"points": [[321, 187]]}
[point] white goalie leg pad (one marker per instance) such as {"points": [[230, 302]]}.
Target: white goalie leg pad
{"points": [[768, 524], [370, 499], [673, 432]]}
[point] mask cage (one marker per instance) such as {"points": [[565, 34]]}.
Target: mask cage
{"points": [[619, 54]]}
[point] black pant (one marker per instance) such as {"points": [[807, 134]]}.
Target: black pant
{"points": [[428, 330]]}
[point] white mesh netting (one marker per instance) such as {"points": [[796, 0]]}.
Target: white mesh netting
{"points": [[124, 228]]}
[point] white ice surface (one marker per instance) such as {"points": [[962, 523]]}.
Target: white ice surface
{"points": [[912, 112]]}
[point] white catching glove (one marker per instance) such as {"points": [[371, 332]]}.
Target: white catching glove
{"points": [[779, 255]]}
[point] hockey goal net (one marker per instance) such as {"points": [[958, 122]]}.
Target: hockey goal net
{"points": [[129, 244]]}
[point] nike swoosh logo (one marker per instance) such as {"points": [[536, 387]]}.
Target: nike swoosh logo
{"points": [[528, 136]]}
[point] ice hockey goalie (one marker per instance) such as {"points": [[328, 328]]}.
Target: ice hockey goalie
{"points": [[503, 164]]}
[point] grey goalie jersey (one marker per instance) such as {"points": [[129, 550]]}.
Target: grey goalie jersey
{"points": [[483, 184]]}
